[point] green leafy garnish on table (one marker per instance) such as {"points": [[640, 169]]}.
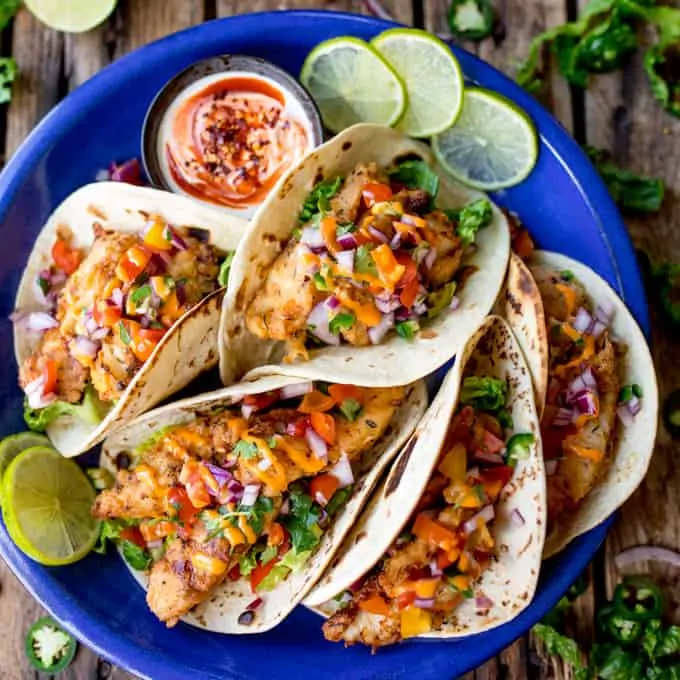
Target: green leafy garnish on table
{"points": [[8, 74], [633, 642], [631, 192]]}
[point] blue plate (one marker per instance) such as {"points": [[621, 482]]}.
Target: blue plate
{"points": [[563, 203]]}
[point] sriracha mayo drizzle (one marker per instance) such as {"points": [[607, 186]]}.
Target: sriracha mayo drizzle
{"points": [[228, 139]]}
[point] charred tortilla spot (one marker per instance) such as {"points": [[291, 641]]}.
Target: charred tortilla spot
{"points": [[411, 156], [241, 297], [319, 176], [514, 303], [347, 146], [360, 537], [269, 238], [395, 478]]}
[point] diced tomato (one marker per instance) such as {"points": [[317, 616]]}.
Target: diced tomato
{"points": [[260, 572], [375, 193], [491, 443], [374, 604], [132, 263], [178, 500], [298, 427], [153, 531], [552, 440], [324, 426], [106, 314], [277, 534], [342, 392], [409, 279], [328, 228], [234, 573], [143, 341], [443, 559], [66, 258], [134, 535], [50, 374], [405, 599], [316, 402], [521, 242], [323, 487], [261, 401], [431, 531]]}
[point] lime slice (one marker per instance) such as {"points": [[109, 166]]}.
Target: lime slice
{"points": [[74, 16], [46, 507], [351, 83], [12, 446], [432, 75], [492, 145]]}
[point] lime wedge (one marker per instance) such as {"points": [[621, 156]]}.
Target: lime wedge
{"points": [[73, 16], [12, 446], [351, 83], [46, 507], [492, 145], [432, 75]]}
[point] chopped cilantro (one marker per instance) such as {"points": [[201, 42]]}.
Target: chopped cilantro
{"points": [[364, 262], [318, 200], [320, 282], [302, 521], [350, 409], [341, 321], [140, 294], [344, 229], [124, 333], [254, 514], [567, 275], [245, 449], [417, 175], [136, 557]]}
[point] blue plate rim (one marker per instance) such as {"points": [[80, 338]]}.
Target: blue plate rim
{"points": [[106, 642]]}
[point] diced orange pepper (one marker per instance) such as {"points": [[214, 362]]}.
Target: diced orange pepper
{"points": [[413, 220], [569, 295], [444, 560], [237, 426], [171, 310], [461, 582], [328, 227], [464, 562], [426, 587], [431, 531], [277, 534], [153, 531], [454, 464], [51, 376], [408, 230], [570, 332], [316, 402], [132, 263], [375, 604], [366, 312], [324, 426], [471, 499], [66, 258], [158, 236], [142, 340], [389, 270], [587, 353], [342, 392], [587, 452], [374, 192], [323, 487]]}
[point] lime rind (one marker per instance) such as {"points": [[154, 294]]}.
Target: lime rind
{"points": [[13, 445], [432, 76], [352, 83], [493, 144], [47, 507], [72, 16]]}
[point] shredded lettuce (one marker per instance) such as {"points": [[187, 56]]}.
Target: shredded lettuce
{"points": [[290, 563], [91, 411], [484, 394], [417, 175], [439, 300]]}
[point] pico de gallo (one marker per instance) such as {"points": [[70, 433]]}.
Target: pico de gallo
{"points": [[372, 254], [106, 308], [437, 560], [244, 492]]}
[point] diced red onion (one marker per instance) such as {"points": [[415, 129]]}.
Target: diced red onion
{"points": [[387, 303], [605, 312], [357, 585], [585, 403], [624, 414], [318, 320], [40, 321], [473, 473], [376, 233], [550, 467], [517, 517], [250, 494], [153, 545], [264, 464], [434, 569], [484, 516], [316, 444], [332, 302], [165, 256], [128, 172], [321, 499], [486, 457], [247, 410], [35, 396], [455, 303], [430, 258], [254, 604], [420, 308], [377, 333], [345, 260], [117, 297], [582, 320], [342, 471], [312, 237], [85, 347], [563, 417], [297, 390], [347, 241], [177, 240], [424, 602], [222, 476], [100, 333], [634, 405], [396, 241], [597, 329], [483, 602], [90, 324], [589, 379], [644, 553]]}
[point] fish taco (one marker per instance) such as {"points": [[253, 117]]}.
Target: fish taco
{"points": [[451, 543], [363, 256], [597, 381], [122, 282], [228, 506]]}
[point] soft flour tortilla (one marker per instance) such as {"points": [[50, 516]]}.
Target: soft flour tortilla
{"points": [[511, 580], [221, 611], [187, 349], [394, 361], [634, 445]]}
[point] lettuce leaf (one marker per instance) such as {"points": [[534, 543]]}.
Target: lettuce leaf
{"points": [[90, 411]]}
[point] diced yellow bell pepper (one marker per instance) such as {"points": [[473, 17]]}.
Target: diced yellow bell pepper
{"points": [[391, 207], [161, 287], [454, 464], [426, 587], [212, 565], [158, 236], [233, 535], [461, 583], [415, 621]]}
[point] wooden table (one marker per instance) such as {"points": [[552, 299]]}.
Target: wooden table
{"points": [[616, 113]]}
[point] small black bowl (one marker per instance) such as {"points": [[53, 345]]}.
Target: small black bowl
{"points": [[226, 63]]}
